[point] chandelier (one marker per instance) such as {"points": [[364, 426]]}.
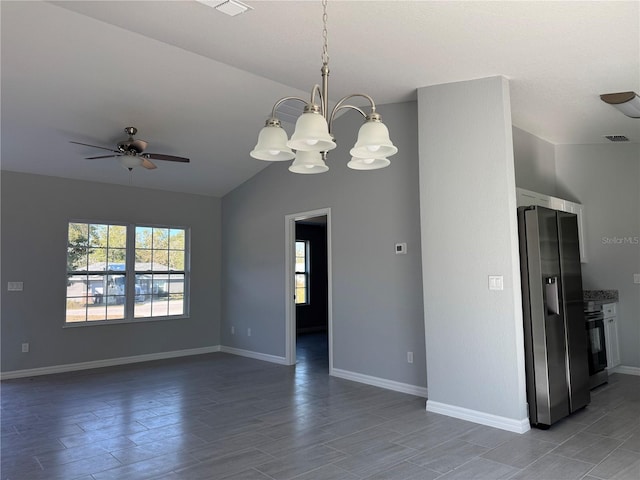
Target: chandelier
{"points": [[313, 134]]}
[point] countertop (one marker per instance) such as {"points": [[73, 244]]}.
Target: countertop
{"points": [[602, 296]]}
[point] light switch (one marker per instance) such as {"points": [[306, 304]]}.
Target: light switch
{"points": [[401, 248], [636, 278], [14, 286], [496, 282]]}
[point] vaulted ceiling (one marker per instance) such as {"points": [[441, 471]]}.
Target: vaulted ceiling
{"points": [[200, 84]]}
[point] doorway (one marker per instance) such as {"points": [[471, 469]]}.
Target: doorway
{"points": [[308, 287]]}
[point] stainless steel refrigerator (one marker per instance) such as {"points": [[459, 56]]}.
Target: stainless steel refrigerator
{"points": [[556, 357]]}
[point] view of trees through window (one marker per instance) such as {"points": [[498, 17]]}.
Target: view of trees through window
{"points": [[101, 266], [160, 271]]}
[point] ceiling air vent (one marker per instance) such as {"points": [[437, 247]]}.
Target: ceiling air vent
{"points": [[616, 138]]}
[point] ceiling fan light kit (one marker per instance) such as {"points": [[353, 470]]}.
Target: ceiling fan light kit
{"points": [[627, 102], [313, 136]]}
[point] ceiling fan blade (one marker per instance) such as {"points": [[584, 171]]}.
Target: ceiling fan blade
{"points": [[148, 164], [102, 156], [94, 146], [169, 158]]}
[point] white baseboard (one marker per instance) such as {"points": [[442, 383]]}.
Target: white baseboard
{"points": [[109, 362], [503, 423], [626, 370], [256, 355], [380, 382]]}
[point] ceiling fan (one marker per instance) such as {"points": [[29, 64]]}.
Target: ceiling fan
{"points": [[131, 152]]}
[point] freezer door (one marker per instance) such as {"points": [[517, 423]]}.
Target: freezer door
{"points": [[575, 323], [544, 319]]}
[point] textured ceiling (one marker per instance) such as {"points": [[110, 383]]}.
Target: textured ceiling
{"points": [[197, 83]]}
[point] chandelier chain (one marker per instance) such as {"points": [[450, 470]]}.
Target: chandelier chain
{"points": [[325, 46]]}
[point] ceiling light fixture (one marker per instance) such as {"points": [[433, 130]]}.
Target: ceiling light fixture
{"points": [[228, 7], [627, 102], [313, 136]]}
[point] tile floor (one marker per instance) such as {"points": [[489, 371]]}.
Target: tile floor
{"points": [[220, 416]]}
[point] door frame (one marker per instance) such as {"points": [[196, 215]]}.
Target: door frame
{"points": [[289, 263]]}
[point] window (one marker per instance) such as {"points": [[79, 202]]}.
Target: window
{"points": [[302, 272], [160, 272], [118, 272]]}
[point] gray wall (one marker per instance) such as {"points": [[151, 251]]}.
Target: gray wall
{"points": [[377, 302], [606, 180], [35, 213], [475, 352], [535, 163]]}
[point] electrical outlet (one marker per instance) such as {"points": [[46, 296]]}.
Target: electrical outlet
{"points": [[248, 332], [233, 330], [15, 286], [409, 357], [636, 278], [25, 348]]}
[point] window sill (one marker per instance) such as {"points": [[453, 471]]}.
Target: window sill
{"points": [[123, 321]]}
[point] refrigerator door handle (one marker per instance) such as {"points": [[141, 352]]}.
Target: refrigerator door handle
{"points": [[552, 297]]}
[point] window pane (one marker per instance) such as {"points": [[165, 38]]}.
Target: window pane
{"points": [[143, 259], [176, 260], [97, 312], [98, 235], [176, 239], [142, 307], [160, 238], [159, 307], [115, 311], [176, 304], [301, 295], [77, 285], [76, 257], [160, 259], [117, 257], [78, 231], [143, 237], [301, 281], [159, 286], [300, 249], [116, 287], [97, 259], [176, 284], [117, 236], [300, 265], [76, 310]]}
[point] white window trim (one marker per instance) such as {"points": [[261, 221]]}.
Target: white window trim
{"points": [[130, 273]]}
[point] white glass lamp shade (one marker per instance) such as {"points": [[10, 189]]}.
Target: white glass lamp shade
{"points": [[311, 134], [130, 161], [368, 163], [308, 163], [272, 145], [373, 141]]}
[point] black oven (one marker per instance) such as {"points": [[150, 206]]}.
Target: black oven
{"points": [[597, 350]]}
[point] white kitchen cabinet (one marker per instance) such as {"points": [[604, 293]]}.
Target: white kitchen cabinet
{"points": [[558, 204], [611, 334], [578, 209], [527, 197]]}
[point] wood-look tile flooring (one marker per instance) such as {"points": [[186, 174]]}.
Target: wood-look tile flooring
{"points": [[220, 416]]}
